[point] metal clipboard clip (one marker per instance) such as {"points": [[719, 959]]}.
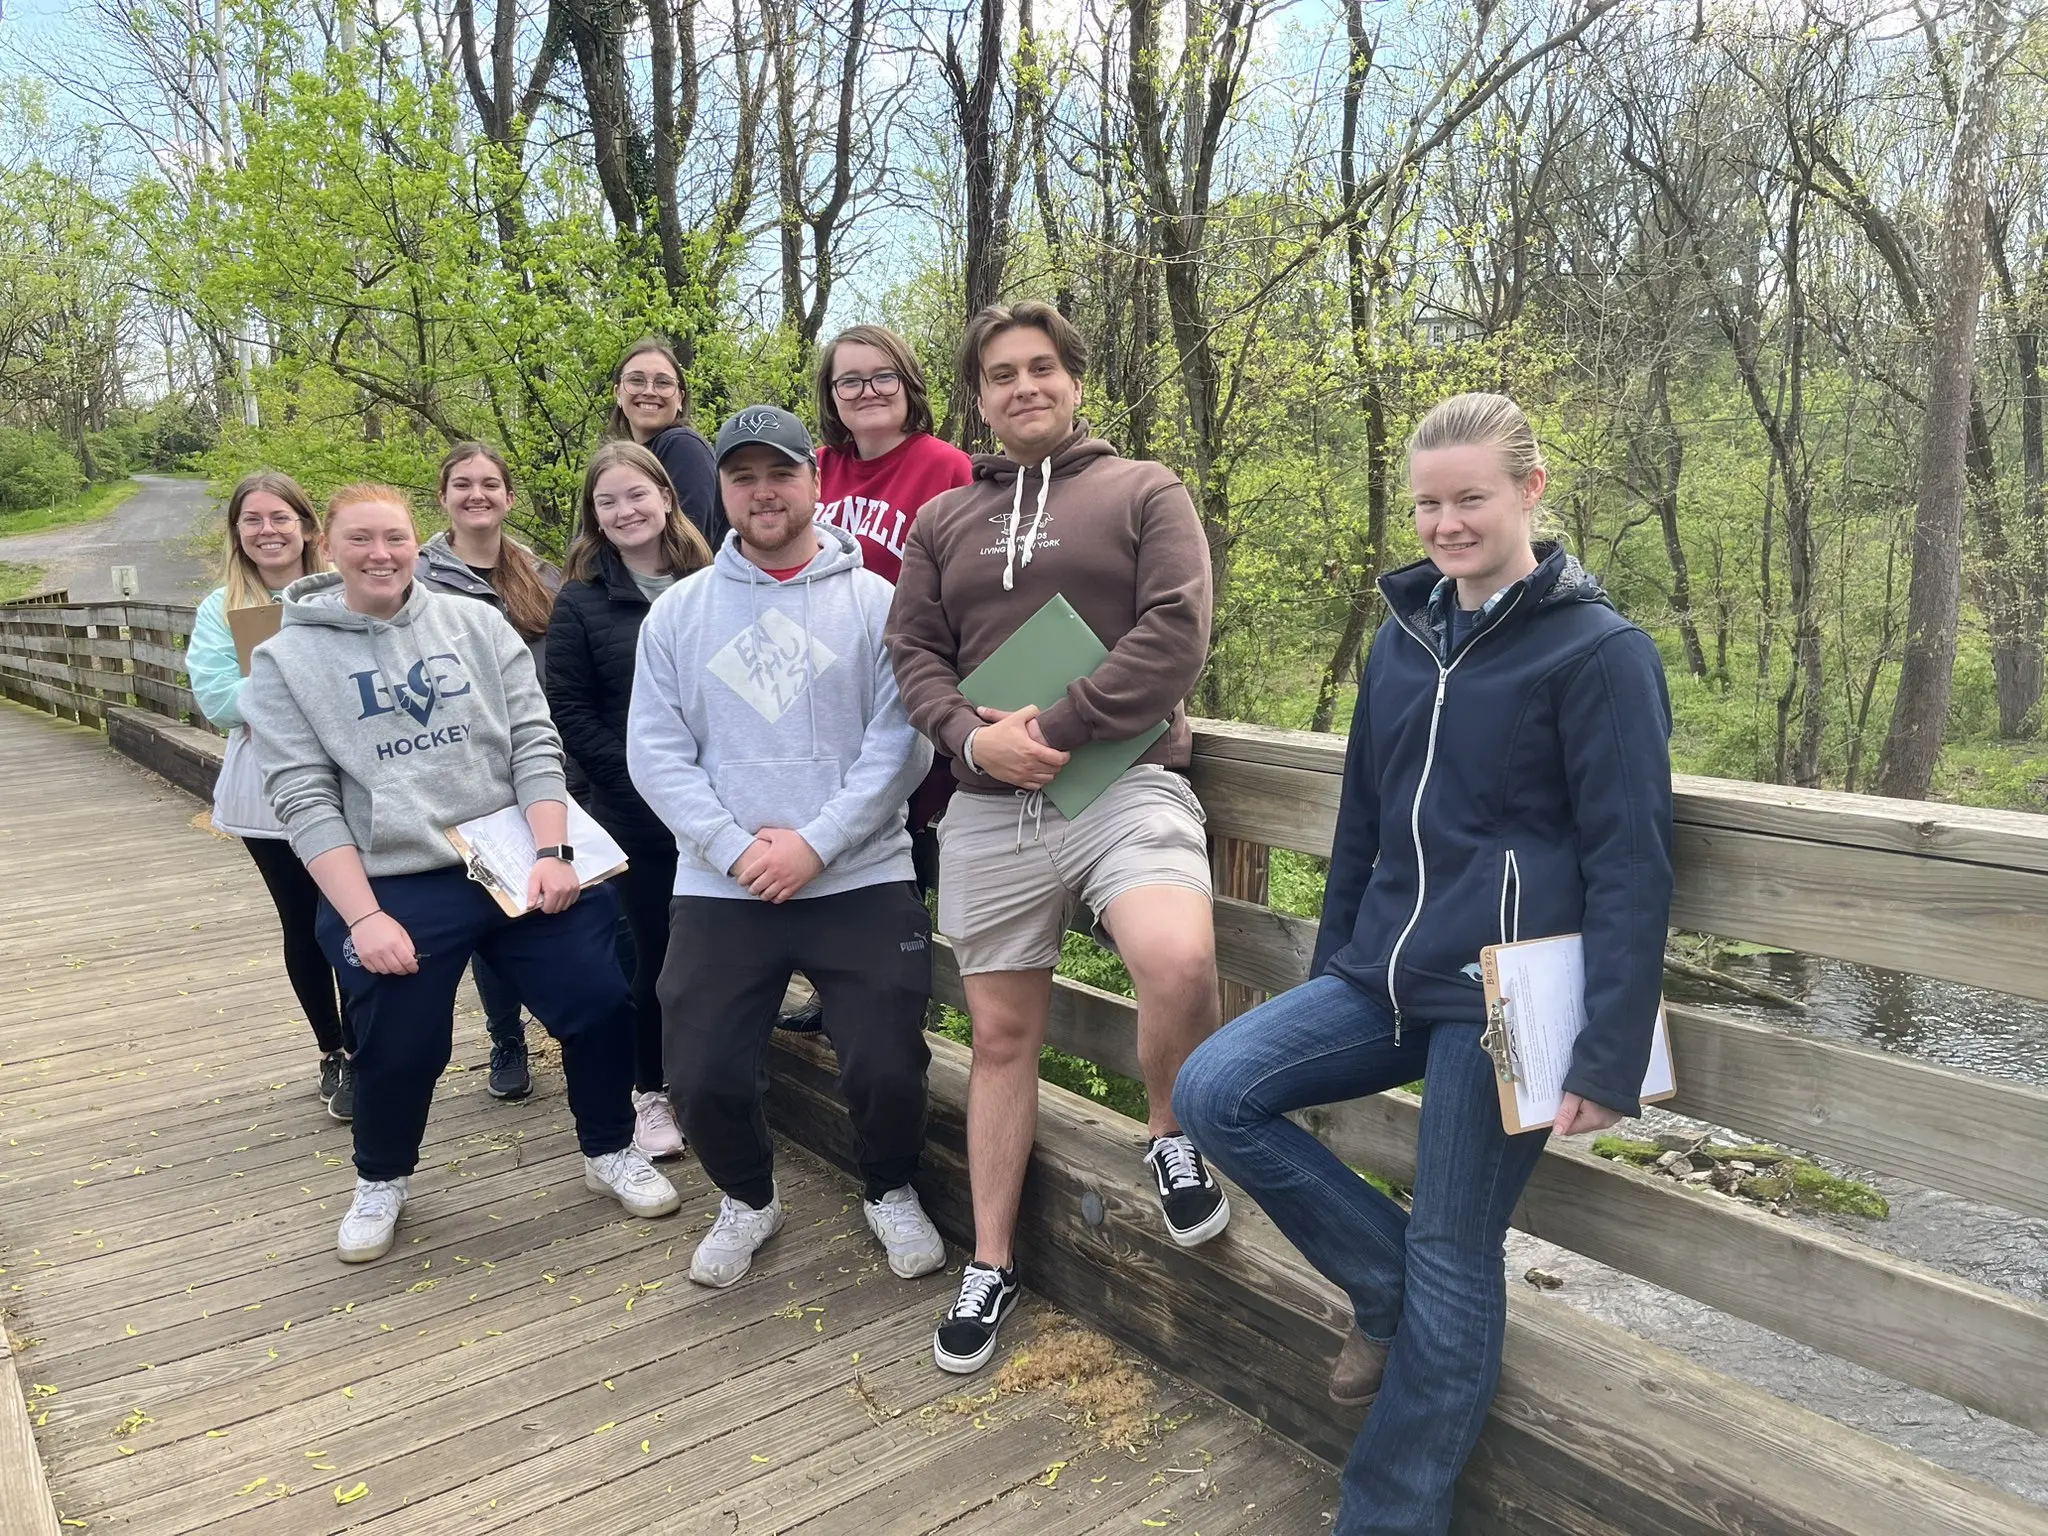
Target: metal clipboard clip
{"points": [[480, 872], [1498, 1042]]}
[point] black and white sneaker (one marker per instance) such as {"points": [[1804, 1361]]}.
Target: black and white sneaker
{"points": [[1194, 1203], [330, 1075], [967, 1335]]}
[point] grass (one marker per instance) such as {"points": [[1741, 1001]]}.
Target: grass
{"points": [[94, 501], [18, 580]]}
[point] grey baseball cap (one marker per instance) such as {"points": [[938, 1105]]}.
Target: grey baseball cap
{"points": [[766, 424]]}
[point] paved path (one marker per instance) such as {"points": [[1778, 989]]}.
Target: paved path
{"points": [[526, 1360], [152, 531]]}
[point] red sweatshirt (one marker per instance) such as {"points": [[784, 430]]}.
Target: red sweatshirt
{"points": [[876, 500]]}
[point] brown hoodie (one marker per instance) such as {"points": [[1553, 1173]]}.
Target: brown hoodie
{"points": [[1118, 537]]}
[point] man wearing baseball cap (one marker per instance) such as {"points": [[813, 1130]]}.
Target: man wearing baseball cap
{"points": [[767, 732]]}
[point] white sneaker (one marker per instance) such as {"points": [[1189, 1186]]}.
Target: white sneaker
{"points": [[913, 1243], [372, 1220], [727, 1251], [628, 1177], [655, 1131]]}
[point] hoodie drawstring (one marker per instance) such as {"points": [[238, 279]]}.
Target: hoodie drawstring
{"points": [[1010, 561], [1031, 803]]}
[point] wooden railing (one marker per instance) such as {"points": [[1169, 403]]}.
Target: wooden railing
{"points": [[81, 660], [1946, 892]]}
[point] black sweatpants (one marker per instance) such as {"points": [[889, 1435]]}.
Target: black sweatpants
{"points": [[868, 954], [297, 900], [565, 966], [644, 890]]}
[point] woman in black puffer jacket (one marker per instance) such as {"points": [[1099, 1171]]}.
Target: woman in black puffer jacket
{"points": [[632, 544]]}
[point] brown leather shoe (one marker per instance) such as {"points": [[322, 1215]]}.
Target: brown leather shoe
{"points": [[1355, 1378]]}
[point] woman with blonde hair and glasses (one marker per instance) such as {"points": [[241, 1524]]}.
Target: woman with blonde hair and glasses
{"points": [[386, 713], [1508, 777], [272, 540], [651, 407], [632, 544]]}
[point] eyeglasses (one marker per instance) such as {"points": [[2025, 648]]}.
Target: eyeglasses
{"points": [[256, 522], [848, 386], [660, 383]]}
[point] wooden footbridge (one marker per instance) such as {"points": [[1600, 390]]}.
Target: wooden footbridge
{"points": [[187, 1355]]}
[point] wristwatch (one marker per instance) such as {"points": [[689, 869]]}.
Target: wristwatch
{"points": [[560, 851]]}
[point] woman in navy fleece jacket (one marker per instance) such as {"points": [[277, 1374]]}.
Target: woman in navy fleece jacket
{"points": [[1508, 776]]}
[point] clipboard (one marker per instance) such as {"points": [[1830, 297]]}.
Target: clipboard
{"points": [[498, 854], [1535, 1009], [251, 627]]}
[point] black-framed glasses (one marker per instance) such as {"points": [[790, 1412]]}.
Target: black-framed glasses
{"points": [[848, 386]]}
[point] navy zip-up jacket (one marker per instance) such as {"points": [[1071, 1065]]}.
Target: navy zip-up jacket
{"points": [[1517, 788]]}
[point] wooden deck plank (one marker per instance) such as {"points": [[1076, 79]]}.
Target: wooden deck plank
{"points": [[165, 1168]]}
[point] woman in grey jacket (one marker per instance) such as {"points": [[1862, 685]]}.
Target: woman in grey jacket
{"points": [[384, 715], [476, 558]]}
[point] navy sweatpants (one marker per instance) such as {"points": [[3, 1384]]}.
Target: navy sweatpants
{"points": [[565, 967]]}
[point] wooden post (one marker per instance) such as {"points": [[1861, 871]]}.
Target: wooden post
{"points": [[1239, 869]]}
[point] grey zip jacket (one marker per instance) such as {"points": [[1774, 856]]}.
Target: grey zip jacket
{"points": [[383, 733], [759, 703]]}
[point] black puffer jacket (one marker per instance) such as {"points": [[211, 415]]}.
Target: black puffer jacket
{"points": [[592, 641]]}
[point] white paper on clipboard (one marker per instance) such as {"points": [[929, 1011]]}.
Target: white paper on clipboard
{"points": [[1536, 1007]]}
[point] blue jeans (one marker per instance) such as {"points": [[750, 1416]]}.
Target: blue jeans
{"points": [[1430, 1282]]}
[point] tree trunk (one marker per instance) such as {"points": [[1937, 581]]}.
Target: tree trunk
{"points": [[1668, 470], [1212, 53], [987, 243], [597, 30], [2016, 586], [1934, 591]]}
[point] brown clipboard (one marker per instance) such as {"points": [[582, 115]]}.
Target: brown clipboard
{"points": [[511, 903], [1500, 1045], [251, 627]]}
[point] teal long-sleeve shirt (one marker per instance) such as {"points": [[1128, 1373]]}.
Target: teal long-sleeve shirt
{"points": [[211, 663]]}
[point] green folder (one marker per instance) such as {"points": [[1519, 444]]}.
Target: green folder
{"points": [[1051, 649]]}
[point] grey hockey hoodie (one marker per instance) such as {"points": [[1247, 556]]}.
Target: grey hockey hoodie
{"points": [[382, 733], [759, 703]]}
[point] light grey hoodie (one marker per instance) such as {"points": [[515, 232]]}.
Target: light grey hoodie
{"points": [[383, 733], [759, 703]]}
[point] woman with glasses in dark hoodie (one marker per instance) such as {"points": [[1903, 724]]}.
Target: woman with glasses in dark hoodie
{"points": [[651, 407], [632, 544]]}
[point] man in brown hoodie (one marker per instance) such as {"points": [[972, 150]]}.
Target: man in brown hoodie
{"points": [[1058, 512]]}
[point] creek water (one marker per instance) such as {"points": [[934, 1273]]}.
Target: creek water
{"points": [[1936, 1021]]}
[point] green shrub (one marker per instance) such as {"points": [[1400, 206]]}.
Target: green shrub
{"points": [[36, 470]]}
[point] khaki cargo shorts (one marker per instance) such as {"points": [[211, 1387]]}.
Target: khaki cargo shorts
{"points": [[1014, 872]]}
